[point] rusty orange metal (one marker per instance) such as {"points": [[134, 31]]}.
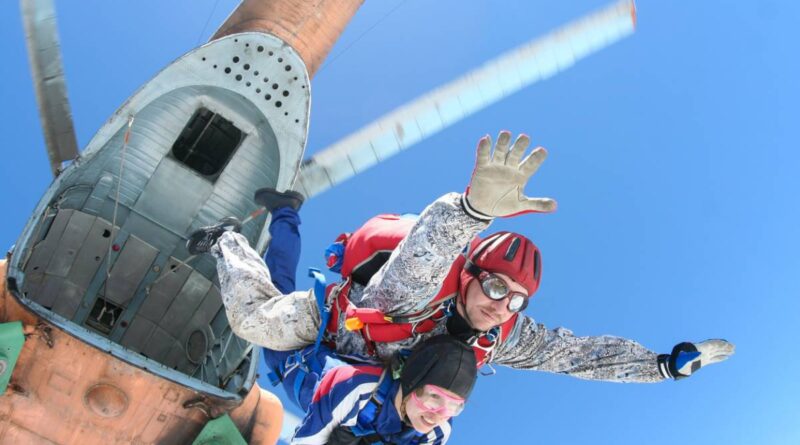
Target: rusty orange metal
{"points": [[310, 27], [64, 391]]}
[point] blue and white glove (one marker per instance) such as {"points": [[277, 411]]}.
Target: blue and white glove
{"points": [[686, 358]]}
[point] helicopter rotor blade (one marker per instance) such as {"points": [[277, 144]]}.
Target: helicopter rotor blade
{"points": [[44, 54], [446, 105]]}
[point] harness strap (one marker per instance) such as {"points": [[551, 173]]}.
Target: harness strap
{"points": [[365, 425], [303, 364], [324, 311]]}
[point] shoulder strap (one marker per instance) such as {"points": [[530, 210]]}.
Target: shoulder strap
{"points": [[319, 294], [365, 425]]}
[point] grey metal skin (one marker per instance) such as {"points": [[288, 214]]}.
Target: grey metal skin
{"points": [[169, 318]]}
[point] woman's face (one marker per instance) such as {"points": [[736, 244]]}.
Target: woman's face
{"points": [[431, 406]]}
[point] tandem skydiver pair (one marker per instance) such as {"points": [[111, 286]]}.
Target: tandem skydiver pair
{"points": [[432, 285]]}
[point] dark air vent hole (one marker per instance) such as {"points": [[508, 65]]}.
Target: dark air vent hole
{"points": [[106, 233], [246, 66], [258, 90], [268, 96], [266, 79], [227, 70], [274, 86], [285, 93], [248, 83], [260, 49], [204, 59], [271, 53], [288, 68], [297, 121], [255, 73], [278, 104], [215, 67], [238, 77], [280, 59], [236, 59]]}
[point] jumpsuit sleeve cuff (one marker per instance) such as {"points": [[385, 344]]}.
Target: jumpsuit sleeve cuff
{"points": [[472, 212]]}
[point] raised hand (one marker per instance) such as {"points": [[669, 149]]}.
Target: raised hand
{"points": [[498, 181]]}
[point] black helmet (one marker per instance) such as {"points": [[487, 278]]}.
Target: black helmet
{"points": [[444, 361]]}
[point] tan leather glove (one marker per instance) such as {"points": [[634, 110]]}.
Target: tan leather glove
{"points": [[498, 181]]}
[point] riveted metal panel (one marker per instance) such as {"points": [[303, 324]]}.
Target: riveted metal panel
{"points": [[184, 304], [210, 306], [138, 333], [164, 289], [128, 270], [153, 232], [159, 345], [101, 191], [43, 251], [91, 254], [68, 245], [68, 296], [173, 196]]}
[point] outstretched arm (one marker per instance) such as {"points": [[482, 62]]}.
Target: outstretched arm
{"points": [[533, 346], [412, 275]]}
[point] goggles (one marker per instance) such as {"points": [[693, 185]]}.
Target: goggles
{"points": [[435, 400], [497, 289]]}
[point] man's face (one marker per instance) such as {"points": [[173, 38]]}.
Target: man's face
{"points": [[483, 313]]}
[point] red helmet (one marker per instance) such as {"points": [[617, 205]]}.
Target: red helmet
{"points": [[507, 253]]}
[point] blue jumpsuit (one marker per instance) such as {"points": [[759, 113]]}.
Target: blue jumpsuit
{"points": [[282, 259]]}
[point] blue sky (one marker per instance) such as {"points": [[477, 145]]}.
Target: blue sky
{"points": [[673, 156]]}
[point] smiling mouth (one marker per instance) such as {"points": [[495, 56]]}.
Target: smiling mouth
{"points": [[427, 422]]}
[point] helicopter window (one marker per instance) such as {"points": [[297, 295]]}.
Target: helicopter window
{"points": [[207, 143]]}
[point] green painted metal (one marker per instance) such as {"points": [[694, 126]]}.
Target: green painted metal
{"points": [[11, 340], [220, 431]]}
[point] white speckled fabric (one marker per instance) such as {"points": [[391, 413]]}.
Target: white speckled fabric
{"points": [[406, 284], [256, 309]]}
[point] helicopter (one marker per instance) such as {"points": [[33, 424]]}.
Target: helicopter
{"points": [[115, 326]]}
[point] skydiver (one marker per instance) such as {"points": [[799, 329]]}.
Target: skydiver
{"points": [[489, 291], [362, 404], [414, 408]]}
